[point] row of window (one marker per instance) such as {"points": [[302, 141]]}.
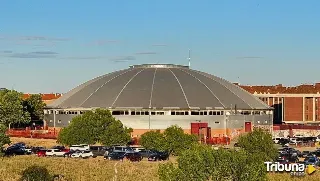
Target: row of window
{"points": [[210, 113]]}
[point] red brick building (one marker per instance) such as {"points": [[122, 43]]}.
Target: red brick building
{"points": [[47, 98], [297, 105]]}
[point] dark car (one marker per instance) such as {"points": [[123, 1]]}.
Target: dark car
{"points": [[115, 156], [58, 147], [99, 150], [158, 156], [69, 153], [304, 154], [35, 150], [134, 156], [14, 150]]}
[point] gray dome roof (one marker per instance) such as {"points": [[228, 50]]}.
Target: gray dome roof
{"points": [[158, 86]]}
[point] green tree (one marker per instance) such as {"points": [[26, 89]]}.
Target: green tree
{"points": [[201, 163], [173, 140], [153, 140], [34, 105], [95, 126], [177, 140], [259, 144], [11, 108], [4, 139]]}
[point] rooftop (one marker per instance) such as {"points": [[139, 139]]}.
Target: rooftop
{"points": [[158, 66]]}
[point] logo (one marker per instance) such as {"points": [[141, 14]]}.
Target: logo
{"points": [[295, 169]]}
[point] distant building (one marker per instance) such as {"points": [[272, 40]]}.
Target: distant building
{"points": [[47, 98], [292, 105], [156, 96]]}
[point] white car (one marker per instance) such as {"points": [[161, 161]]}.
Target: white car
{"points": [[82, 147], [55, 152], [82, 154]]}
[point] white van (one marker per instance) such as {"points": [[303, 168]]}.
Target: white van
{"points": [[81, 147]]}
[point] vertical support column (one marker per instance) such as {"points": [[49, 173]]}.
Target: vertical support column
{"points": [[273, 100], [54, 118], [268, 101], [314, 109], [282, 107], [303, 108]]}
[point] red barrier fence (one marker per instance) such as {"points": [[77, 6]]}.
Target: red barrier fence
{"points": [[288, 127], [40, 134]]}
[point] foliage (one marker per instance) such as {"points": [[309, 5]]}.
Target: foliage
{"points": [[95, 126], [34, 105], [36, 173], [11, 108], [201, 162], [173, 140], [4, 139], [153, 140], [259, 143], [177, 140]]}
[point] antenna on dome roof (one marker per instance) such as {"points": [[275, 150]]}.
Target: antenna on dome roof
{"points": [[189, 58]]}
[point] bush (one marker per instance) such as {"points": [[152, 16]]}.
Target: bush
{"points": [[95, 126], [173, 140], [259, 143], [202, 163], [36, 173]]}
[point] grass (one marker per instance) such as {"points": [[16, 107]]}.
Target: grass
{"points": [[80, 169], [97, 168]]}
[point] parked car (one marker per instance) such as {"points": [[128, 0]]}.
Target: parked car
{"points": [[82, 154], [304, 154], [137, 148], [58, 147], [126, 149], [312, 161], [35, 150], [115, 156], [158, 156], [134, 157], [81, 147], [15, 150], [98, 150], [41, 153], [69, 153], [55, 152]]}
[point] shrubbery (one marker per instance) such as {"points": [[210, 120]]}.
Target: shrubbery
{"points": [[95, 126], [201, 162], [36, 173], [173, 140]]}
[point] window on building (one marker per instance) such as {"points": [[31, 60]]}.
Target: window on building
{"points": [[115, 112], [160, 113], [194, 112], [153, 113], [146, 113], [133, 113], [186, 113], [137, 112], [316, 117], [50, 121], [59, 121], [217, 122], [218, 113]]}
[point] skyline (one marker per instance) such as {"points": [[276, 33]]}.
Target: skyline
{"points": [[55, 46]]}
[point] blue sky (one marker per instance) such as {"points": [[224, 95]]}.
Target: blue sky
{"points": [[52, 46]]}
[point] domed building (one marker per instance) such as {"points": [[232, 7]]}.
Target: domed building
{"points": [[156, 96]]}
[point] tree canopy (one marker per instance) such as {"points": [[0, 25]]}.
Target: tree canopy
{"points": [[258, 143], [11, 108], [173, 140], [4, 139], [95, 126], [34, 105], [201, 163]]}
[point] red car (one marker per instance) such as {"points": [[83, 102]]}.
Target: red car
{"points": [[41, 153]]}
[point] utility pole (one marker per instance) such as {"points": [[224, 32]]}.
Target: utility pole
{"points": [[189, 58]]}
